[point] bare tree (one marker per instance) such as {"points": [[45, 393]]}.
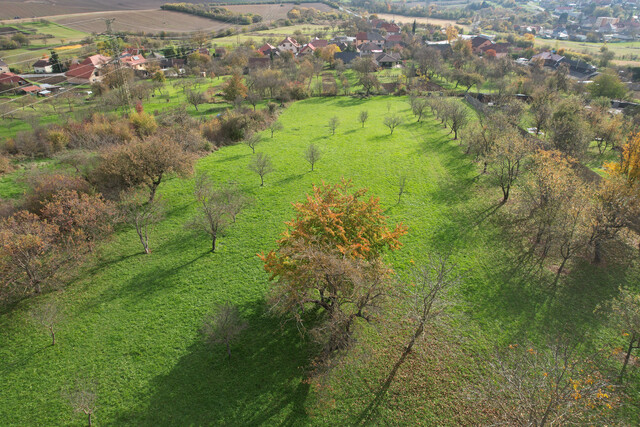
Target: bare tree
{"points": [[458, 117], [83, 399], [235, 200], [48, 316], [427, 302], [312, 155], [252, 141], [261, 164], [195, 98], [217, 206], [253, 98], [401, 183], [540, 386], [333, 124], [275, 126], [142, 214], [419, 106], [363, 117], [392, 122], [223, 326]]}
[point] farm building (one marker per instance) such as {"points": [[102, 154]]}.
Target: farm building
{"points": [[43, 66], [88, 71]]}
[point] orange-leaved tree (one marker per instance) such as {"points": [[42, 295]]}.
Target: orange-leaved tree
{"points": [[330, 258], [623, 184]]}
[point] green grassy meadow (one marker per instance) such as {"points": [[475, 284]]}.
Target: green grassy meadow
{"points": [[131, 321], [23, 57]]}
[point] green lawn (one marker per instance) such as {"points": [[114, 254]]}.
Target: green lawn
{"points": [[131, 320]]}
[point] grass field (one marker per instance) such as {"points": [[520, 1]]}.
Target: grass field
{"points": [[23, 58], [131, 321]]}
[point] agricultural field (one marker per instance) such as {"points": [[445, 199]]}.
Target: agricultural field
{"points": [[156, 20], [627, 53], [29, 9], [420, 19], [23, 57]]}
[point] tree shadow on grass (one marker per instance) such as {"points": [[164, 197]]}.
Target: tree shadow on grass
{"points": [[292, 178], [232, 158], [152, 277], [261, 384]]}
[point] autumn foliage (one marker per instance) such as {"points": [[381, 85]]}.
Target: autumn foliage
{"points": [[330, 257]]}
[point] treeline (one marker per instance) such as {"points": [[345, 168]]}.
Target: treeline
{"points": [[397, 8], [329, 3], [214, 12]]}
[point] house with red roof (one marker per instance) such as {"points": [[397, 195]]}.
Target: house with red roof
{"points": [[135, 62], [11, 79], [87, 71], [500, 49], [393, 40], [289, 44], [389, 27], [267, 49]]}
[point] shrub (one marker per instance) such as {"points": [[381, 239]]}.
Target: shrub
{"points": [[5, 165], [296, 91], [143, 123], [45, 186], [58, 140]]}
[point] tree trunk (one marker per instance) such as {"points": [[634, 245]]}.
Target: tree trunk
{"points": [[53, 335], [89, 415], [597, 252], [228, 351], [505, 193], [627, 357], [261, 181], [560, 269], [213, 242]]}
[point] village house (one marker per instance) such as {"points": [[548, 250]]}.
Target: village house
{"points": [[289, 45], [370, 48], [499, 49], [43, 66], [10, 80], [267, 49], [370, 37], [87, 71], [28, 90], [479, 42], [386, 60], [346, 57], [389, 27], [393, 40], [135, 62]]}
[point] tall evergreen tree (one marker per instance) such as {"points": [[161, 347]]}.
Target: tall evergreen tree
{"points": [[55, 62]]}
